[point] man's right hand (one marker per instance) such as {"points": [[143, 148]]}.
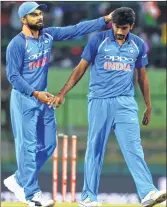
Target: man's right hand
{"points": [[57, 101], [108, 17], [43, 96]]}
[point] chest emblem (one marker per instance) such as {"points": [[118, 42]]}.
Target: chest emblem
{"points": [[131, 51]]}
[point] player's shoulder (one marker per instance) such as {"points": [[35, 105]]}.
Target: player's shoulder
{"points": [[47, 30], [50, 30], [136, 39], [17, 41]]}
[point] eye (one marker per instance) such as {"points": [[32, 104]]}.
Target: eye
{"points": [[33, 15]]}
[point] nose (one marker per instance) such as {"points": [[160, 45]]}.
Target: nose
{"points": [[40, 20], [119, 31]]}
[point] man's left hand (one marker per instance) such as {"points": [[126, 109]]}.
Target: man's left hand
{"points": [[147, 116]]}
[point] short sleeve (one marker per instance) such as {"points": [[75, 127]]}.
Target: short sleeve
{"points": [[142, 59], [91, 48]]}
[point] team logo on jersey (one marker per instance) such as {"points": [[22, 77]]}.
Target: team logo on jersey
{"points": [[131, 50], [46, 41]]}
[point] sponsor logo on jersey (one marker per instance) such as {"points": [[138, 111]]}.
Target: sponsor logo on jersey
{"points": [[144, 56], [106, 50], [39, 63], [29, 50], [37, 55], [118, 63], [117, 66], [119, 58]]}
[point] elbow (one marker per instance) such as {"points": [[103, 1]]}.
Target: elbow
{"points": [[142, 79], [12, 78], [143, 82]]}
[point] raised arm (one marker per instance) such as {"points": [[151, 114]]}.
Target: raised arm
{"points": [[74, 78], [83, 28]]}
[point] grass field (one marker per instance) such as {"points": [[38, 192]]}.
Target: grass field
{"points": [[17, 204]]}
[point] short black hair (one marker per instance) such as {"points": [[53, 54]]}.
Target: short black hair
{"points": [[123, 15]]}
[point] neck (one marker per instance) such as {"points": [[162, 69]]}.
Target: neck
{"points": [[35, 34], [121, 42], [30, 33]]}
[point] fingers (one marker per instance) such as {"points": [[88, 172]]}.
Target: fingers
{"points": [[57, 104], [145, 121], [49, 95], [56, 101], [51, 102]]}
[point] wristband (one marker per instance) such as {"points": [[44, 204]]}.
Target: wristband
{"points": [[69, 84], [36, 94]]}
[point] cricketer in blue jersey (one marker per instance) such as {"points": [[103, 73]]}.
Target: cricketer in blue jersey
{"points": [[113, 56], [33, 122]]}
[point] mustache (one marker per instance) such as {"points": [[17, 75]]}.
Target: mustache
{"points": [[119, 36]]}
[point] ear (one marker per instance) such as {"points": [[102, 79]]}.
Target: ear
{"points": [[131, 27], [23, 20]]}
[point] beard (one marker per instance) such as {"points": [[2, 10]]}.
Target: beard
{"points": [[36, 27], [119, 37]]}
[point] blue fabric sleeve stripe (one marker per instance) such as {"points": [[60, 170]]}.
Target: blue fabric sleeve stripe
{"points": [[142, 59]]}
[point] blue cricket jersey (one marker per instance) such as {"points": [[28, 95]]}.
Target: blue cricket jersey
{"points": [[28, 58], [112, 65]]}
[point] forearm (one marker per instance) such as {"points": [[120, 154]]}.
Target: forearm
{"points": [[72, 81], [145, 89], [82, 28], [92, 25], [21, 85]]}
